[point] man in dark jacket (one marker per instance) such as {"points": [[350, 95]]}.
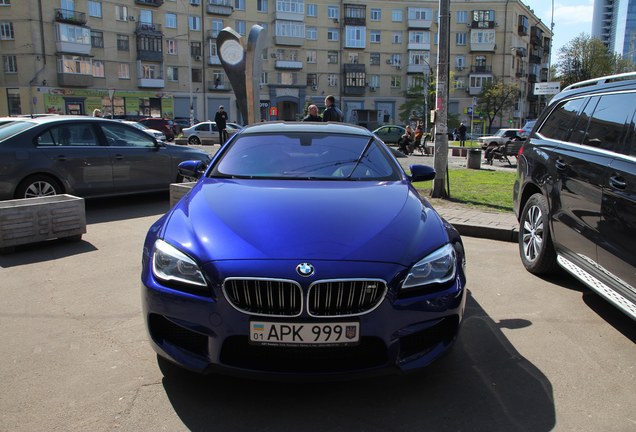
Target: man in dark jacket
{"points": [[312, 115], [332, 113], [220, 119]]}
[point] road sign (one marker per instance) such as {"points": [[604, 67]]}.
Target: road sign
{"points": [[547, 88]]}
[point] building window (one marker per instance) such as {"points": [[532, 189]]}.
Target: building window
{"points": [[376, 14], [171, 20], [145, 16], [74, 64], [395, 59], [312, 33], [333, 34], [172, 73], [194, 23], [97, 39], [124, 71], [5, 2], [312, 10], [95, 8], [355, 79], [217, 26], [355, 37], [312, 80], [195, 2], [460, 39], [264, 78], [149, 43], [396, 81], [195, 49], [6, 31], [333, 12], [396, 15], [292, 6], [288, 78], [197, 75], [332, 57], [483, 18], [396, 38], [295, 29], [241, 27], [171, 46], [462, 17], [261, 6], [419, 37], [98, 69], [332, 80], [151, 71], [123, 43], [10, 64], [374, 58], [239, 5], [311, 56], [121, 13], [374, 36], [374, 81], [13, 101]]}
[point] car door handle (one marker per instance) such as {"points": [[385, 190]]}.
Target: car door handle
{"points": [[560, 164], [60, 158], [119, 156], [617, 182]]}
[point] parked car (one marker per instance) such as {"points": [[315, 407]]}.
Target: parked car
{"points": [[159, 136], [304, 249], [502, 136], [205, 131], [575, 192], [183, 122], [527, 128], [390, 134], [162, 125], [85, 156]]}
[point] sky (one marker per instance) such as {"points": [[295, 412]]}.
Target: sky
{"points": [[571, 18]]}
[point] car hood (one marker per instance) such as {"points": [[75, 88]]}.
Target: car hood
{"points": [[289, 219]]}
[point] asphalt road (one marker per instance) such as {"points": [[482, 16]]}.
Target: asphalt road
{"points": [[533, 354]]}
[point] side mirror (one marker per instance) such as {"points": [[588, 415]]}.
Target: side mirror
{"points": [[191, 169], [421, 173]]}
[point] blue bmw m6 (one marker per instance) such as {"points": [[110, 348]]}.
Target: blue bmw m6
{"points": [[303, 250]]}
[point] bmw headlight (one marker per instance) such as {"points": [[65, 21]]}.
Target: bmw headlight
{"points": [[171, 265], [437, 268]]}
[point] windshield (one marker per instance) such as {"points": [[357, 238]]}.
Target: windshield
{"points": [[12, 128], [304, 156]]}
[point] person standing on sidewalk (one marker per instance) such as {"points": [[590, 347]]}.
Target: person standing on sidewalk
{"points": [[312, 114], [332, 113], [462, 134], [220, 119]]}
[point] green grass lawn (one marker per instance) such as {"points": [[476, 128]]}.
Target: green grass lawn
{"points": [[479, 188]]}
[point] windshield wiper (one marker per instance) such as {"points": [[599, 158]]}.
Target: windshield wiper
{"points": [[364, 151]]}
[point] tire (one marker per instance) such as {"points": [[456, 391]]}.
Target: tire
{"points": [[194, 140], [535, 240], [37, 186]]}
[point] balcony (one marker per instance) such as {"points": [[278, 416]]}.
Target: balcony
{"points": [[355, 21], [483, 24], [418, 69], [148, 28], [151, 83], [474, 91], [536, 36], [289, 16], [481, 69], [289, 64], [72, 39], [289, 40], [213, 34], [214, 60], [419, 46], [219, 7], [148, 55], [220, 85], [483, 40], [70, 16], [155, 3], [74, 80], [522, 30]]}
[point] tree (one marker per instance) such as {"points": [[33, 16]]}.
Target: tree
{"points": [[416, 103], [496, 99], [585, 58]]}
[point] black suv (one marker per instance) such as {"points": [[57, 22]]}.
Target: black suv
{"points": [[575, 191]]}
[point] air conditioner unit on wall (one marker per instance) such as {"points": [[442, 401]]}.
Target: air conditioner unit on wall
{"points": [[131, 18], [197, 58]]}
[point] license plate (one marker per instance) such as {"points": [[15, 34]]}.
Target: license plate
{"points": [[273, 333]]}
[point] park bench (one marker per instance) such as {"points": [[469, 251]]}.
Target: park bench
{"points": [[511, 148]]}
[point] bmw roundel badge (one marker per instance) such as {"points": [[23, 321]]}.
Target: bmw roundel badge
{"points": [[305, 269]]}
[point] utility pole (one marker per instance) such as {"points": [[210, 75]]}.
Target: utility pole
{"points": [[441, 105]]}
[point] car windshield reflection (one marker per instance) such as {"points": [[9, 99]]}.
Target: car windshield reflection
{"points": [[302, 157]]}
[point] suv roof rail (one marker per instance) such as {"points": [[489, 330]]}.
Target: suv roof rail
{"points": [[602, 80]]}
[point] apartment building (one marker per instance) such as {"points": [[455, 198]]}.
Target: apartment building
{"points": [[614, 23], [159, 58]]}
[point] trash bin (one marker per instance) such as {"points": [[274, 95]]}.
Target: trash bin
{"points": [[473, 159]]}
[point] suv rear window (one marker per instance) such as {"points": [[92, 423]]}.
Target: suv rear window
{"points": [[558, 125]]}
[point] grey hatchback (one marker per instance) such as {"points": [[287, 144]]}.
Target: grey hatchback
{"points": [[85, 156]]}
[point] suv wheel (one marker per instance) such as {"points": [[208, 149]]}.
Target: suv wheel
{"points": [[535, 244]]}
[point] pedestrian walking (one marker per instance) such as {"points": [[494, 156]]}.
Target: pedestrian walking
{"points": [[220, 119]]}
